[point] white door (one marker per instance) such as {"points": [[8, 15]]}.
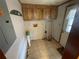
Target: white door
{"points": [[37, 29], [69, 18], [7, 33], [48, 28]]}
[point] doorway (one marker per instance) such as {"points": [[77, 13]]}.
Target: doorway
{"points": [[68, 21]]}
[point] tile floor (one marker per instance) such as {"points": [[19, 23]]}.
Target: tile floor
{"points": [[43, 49]]}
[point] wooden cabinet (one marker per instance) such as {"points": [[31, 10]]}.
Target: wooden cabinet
{"points": [[53, 13], [24, 13], [39, 12], [28, 13], [32, 13], [50, 13], [46, 13]]}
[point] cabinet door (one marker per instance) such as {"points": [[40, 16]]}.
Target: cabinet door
{"points": [[46, 13], [53, 13], [28, 13], [38, 13], [24, 13]]}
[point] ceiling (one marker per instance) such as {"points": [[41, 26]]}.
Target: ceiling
{"points": [[43, 2]]}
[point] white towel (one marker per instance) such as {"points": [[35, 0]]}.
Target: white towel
{"points": [[28, 40]]}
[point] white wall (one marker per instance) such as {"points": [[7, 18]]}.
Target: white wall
{"points": [[18, 49], [38, 32], [57, 23]]}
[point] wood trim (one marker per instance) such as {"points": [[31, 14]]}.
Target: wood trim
{"points": [[37, 6], [65, 2], [64, 20], [2, 56], [70, 5]]}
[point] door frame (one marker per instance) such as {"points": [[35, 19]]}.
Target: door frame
{"points": [[64, 20]]}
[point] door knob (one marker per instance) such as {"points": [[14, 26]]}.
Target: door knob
{"points": [[7, 21]]}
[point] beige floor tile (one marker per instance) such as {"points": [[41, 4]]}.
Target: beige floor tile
{"points": [[42, 49]]}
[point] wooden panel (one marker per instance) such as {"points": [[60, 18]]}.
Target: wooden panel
{"points": [[46, 13], [24, 13], [28, 13], [53, 13], [38, 13]]}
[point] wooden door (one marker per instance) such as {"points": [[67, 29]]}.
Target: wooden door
{"points": [[72, 47]]}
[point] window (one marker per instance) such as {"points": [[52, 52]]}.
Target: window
{"points": [[70, 19]]}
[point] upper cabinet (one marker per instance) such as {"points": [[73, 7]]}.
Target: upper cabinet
{"points": [[38, 12], [53, 12], [28, 13], [46, 13]]}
